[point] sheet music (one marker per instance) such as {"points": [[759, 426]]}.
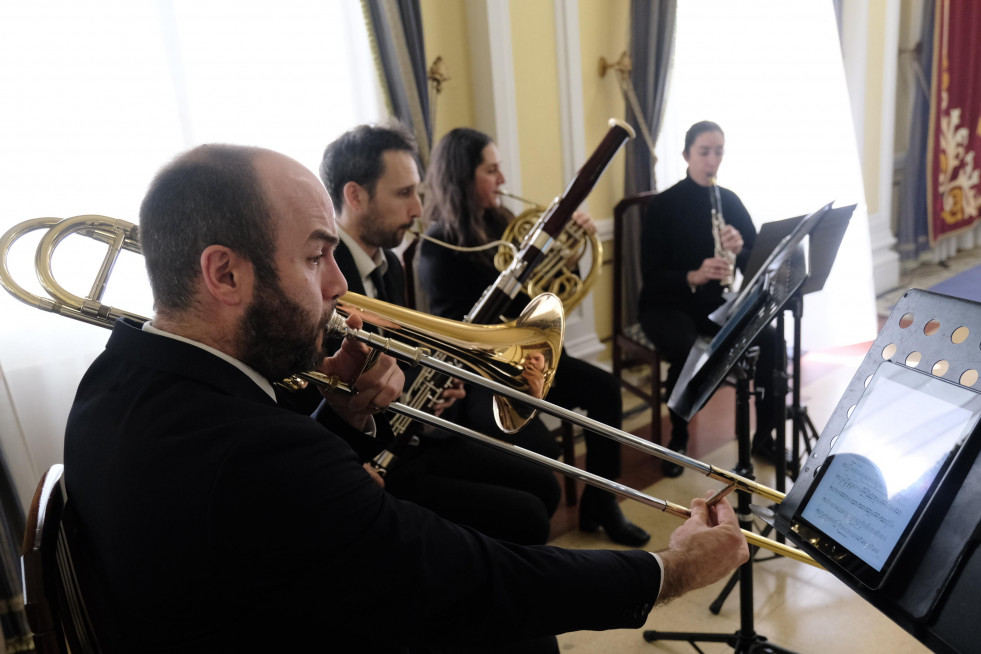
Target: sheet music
{"points": [[885, 461]]}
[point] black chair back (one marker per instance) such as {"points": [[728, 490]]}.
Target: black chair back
{"points": [[53, 599], [630, 346]]}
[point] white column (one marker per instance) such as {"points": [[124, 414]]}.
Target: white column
{"points": [[492, 72], [885, 260], [581, 340]]}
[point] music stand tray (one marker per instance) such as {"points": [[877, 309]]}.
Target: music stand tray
{"points": [[780, 276]]}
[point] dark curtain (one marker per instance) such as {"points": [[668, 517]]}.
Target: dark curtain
{"points": [[652, 25], [395, 29], [13, 620], [912, 232]]}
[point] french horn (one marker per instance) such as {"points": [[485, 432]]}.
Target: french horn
{"points": [[556, 273]]}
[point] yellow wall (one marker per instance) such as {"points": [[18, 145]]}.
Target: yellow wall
{"points": [[444, 22], [536, 87], [603, 32]]}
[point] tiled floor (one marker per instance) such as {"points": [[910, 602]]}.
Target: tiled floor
{"points": [[796, 607]]}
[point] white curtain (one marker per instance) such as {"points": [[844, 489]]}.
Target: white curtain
{"points": [[97, 96], [770, 73]]}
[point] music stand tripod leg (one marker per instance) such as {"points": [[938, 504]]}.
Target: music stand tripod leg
{"points": [[804, 430], [745, 640]]}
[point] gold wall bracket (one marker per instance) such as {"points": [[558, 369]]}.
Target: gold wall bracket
{"points": [[623, 64]]}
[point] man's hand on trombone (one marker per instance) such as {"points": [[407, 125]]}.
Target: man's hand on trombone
{"points": [[376, 377], [706, 548], [448, 396]]}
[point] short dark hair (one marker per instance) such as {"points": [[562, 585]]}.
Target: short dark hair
{"points": [[700, 128], [209, 195], [356, 156]]}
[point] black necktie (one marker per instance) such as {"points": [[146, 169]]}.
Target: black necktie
{"points": [[379, 282]]}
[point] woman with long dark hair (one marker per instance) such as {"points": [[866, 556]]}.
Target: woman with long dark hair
{"points": [[462, 208]]}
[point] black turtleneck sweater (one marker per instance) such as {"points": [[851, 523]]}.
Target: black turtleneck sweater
{"points": [[676, 237]]}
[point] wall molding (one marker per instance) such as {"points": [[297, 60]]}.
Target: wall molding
{"points": [[855, 56], [492, 63], [582, 340]]}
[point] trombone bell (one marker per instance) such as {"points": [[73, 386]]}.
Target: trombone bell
{"points": [[521, 354]]}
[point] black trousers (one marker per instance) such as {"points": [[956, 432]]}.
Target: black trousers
{"points": [[463, 481], [577, 385], [673, 332], [472, 484]]}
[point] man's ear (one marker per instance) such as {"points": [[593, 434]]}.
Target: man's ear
{"points": [[355, 196], [228, 276]]}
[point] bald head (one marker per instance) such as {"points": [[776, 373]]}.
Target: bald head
{"points": [[289, 187], [210, 195]]}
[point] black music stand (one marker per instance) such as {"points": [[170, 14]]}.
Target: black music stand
{"points": [[743, 317], [937, 591], [823, 246], [823, 242], [780, 276]]}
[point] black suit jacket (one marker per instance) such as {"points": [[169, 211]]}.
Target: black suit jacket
{"points": [[394, 278], [217, 520]]}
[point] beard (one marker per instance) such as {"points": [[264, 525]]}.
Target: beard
{"points": [[278, 336], [375, 232]]}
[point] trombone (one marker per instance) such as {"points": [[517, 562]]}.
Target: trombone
{"points": [[498, 365]]}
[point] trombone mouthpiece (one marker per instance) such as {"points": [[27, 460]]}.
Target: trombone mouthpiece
{"points": [[335, 327]]}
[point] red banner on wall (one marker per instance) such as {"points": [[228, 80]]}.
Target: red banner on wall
{"points": [[954, 153]]}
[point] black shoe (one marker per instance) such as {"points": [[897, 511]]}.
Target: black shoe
{"points": [[679, 444], [766, 448], [600, 509], [672, 469]]}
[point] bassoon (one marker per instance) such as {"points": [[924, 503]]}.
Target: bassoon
{"points": [[429, 385]]}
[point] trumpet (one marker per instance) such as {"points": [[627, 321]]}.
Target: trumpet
{"points": [[718, 226], [540, 329]]}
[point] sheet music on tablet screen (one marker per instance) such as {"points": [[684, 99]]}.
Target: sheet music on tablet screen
{"points": [[885, 461]]}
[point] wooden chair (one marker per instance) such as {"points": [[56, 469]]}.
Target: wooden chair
{"points": [[53, 599], [630, 346]]}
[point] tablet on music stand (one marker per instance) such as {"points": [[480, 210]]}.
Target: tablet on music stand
{"points": [[929, 580], [896, 456]]}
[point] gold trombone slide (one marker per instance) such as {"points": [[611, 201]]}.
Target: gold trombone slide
{"points": [[497, 367]]}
